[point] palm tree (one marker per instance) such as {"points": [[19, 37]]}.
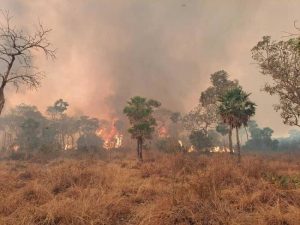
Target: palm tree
{"points": [[235, 110]]}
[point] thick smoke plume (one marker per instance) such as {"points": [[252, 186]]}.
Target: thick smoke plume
{"points": [[109, 50]]}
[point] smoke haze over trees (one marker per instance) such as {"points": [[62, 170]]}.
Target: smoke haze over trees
{"points": [[161, 50]]}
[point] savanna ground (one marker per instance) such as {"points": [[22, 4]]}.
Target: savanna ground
{"points": [[164, 190]]}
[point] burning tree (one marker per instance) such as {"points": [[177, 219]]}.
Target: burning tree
{"points": [[139, 111], [16, 55]]}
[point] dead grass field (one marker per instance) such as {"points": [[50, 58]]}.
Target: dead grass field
{"points": [[164, 190]]}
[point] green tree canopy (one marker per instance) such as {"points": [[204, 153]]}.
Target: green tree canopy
{"points": [[280, 60], [236, 110], [139, 111]]}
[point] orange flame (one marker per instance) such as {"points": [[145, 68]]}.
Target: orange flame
{"points": [[163, 132], [112, 137]]}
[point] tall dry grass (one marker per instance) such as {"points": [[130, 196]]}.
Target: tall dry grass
{"points": [[164, 190]]}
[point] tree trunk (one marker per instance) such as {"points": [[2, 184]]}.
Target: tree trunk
{"points": [[246, 133], [2, 99], [224, 143], [230, 140], [138, 148], [141, 150], [238, 143], [72, 141]]}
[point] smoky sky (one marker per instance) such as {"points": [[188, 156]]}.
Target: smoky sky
{"points": [[111, 50]]}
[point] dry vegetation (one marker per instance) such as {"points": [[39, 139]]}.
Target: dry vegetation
{"points": [[164, 190]]}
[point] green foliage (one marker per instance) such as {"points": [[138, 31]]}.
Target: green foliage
{"points": [[88, 125], [222, 128], [139, 112], [29, 134], [261, 139], [28, 130], [290, 143], [58, 108], [205, 115], [175, 117], [283, 181], [89, 142], [235, 107], [200, 140], [168, 145], [24, 123], [280, 61], [200, 118], [220, 84]]}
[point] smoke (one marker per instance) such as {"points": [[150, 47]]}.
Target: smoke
{"points": [[109, 50]]}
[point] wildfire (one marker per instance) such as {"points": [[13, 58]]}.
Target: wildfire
{"points": [[191, 149], [162, 132], [180, 143], [15, 147], [214, 149], [67, 147], [220, 149], [112, 137]]}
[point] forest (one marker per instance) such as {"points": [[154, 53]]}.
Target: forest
{"points": [[148, 163]]}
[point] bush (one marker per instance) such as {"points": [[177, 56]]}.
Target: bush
{"points": [[90, 142], [200, 140]]}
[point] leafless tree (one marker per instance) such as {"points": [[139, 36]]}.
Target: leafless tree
{"points": [[16, 55]]}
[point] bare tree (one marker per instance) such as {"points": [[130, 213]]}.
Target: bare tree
{"points": [[16, 55]]}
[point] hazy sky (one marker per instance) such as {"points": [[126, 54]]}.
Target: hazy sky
{"points": [[110, 50]]}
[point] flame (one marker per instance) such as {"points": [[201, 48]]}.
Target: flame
{"points": [[67, 147], [15, 147], [112, 137], [214, 149], [191, 149], [180, 143], [163, 132], [220, 149]]}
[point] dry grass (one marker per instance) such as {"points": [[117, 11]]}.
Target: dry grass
{"points": [[164, 190]]}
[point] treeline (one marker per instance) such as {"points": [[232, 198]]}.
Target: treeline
{"points": [[209, 126], [26, 129]]}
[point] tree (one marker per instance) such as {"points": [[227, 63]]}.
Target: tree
{"points": [[59, 119], [57, 109], [201, 140], [280, 60], [290, 143], [89, 142], [139, 111], [16, 55], [30, 135], [25, 125], [220, 84], [222, 129], [88, 125], [235, 110], [175, 117], [200, 118], [261, 139]]}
